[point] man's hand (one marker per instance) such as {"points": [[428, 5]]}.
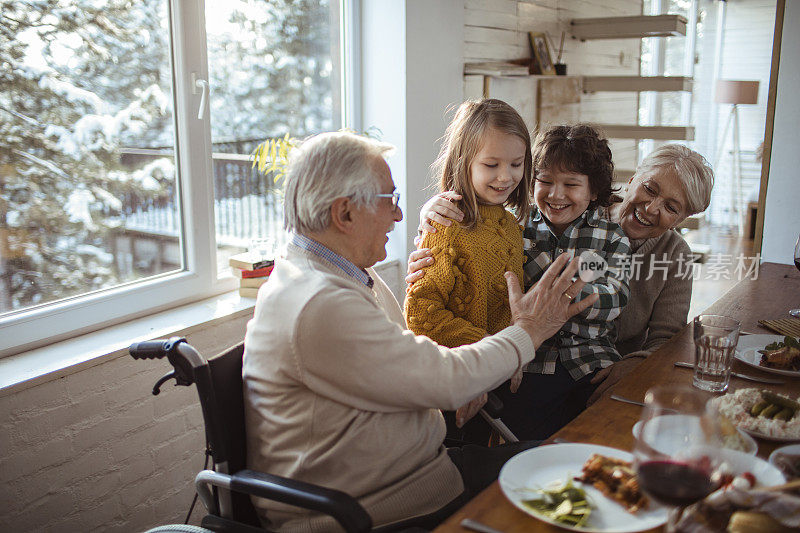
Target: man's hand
{"points": [[442, 209], [609, 376], [549, 303], [465, 412]]}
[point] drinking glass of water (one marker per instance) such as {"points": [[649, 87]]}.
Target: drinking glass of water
{"points": [[715, 339]]}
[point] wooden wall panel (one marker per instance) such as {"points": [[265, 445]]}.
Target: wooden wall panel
{"points": [[520, 92], [498, 30], [499, 6], [489, 19]]}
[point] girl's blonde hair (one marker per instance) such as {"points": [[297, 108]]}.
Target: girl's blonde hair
{"points": [[461, 143]]}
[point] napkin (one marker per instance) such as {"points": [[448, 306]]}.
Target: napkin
{"points": [[785, 326], [715, 512]]}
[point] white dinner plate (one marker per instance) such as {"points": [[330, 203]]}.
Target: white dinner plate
{"points": [[556, 463], [665, 441], [747, 352]]}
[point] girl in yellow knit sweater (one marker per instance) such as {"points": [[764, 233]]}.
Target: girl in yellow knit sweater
{"points": [[485, 158]]}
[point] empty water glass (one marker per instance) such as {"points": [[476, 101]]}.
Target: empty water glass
{"points": [[715, 339]]}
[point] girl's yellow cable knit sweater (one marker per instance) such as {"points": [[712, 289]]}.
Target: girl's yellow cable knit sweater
{"points": [[463, 296]]}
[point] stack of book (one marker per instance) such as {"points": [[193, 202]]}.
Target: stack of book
{"points": [[252, 272]]}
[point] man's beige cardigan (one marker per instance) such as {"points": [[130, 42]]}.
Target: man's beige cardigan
{"points": [[339, 393]]}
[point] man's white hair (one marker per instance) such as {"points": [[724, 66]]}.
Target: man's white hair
{"points": [[326, 167], [692, 169]]}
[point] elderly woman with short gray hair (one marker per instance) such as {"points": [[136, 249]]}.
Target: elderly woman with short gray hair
{"points": [[671, 184]]}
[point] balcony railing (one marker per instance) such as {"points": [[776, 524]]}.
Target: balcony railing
{"points": [[247, 204]]}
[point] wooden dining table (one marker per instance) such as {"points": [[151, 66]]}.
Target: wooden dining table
{"points": [[607, 422]]}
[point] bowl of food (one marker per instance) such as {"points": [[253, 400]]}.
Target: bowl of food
{"points": [[787, 460], [761, 413]]}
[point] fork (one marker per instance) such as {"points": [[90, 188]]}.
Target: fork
{"points": [[626, 400], [477, 526]]}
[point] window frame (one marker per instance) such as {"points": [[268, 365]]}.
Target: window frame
{"points": [[23, 330]]}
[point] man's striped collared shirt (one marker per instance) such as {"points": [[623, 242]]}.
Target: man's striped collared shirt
{"points": [[301, 241]]}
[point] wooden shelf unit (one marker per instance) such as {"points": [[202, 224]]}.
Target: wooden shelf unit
{"points": [[661, 133], [622, 175], [628, 27], [593, 84], [539, 99]]}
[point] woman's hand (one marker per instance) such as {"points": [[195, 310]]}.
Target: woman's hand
{"points": [[465, 412], [516, 381], [609, 376], [442, 209]]}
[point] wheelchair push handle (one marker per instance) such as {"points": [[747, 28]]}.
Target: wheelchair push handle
{"points": [[151, 349], [181, 355]]}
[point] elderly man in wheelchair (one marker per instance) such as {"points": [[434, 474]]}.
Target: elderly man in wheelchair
{"points": [[341, 403]]}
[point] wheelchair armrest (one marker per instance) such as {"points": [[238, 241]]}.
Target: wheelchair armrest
{"points": [[339, 505]]}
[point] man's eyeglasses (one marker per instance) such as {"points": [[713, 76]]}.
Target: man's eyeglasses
{"points": [[395, 196]]}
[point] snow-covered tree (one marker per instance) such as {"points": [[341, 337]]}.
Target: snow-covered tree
{"points": [[273, 64], [59, 144]]}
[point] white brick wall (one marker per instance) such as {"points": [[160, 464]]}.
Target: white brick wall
{"points": [[96, 451]]}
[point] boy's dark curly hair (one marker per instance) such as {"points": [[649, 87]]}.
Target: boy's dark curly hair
{"points": [[580, 149]]}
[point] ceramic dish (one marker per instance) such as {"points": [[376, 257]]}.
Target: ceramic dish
{"points": [[554, 464], [747, 353], [779, 459]]}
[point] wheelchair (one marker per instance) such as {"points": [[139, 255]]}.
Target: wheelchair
{"points": [[225, 490]]}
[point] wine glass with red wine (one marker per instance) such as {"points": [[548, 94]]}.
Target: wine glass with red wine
{"points": [[796, 312], [674, 451]]}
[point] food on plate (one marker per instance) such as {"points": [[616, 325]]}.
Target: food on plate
{"points": [[566, 504], [775, 406], [783, 355], [751, 522], [763, 412], [724, 478], [732, 438], [741, 511], [616, 479]]}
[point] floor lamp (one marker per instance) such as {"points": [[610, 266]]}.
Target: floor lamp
{"points": [[736, 92]]}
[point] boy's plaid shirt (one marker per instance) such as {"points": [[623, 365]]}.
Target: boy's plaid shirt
{"points": [[583, 344]]}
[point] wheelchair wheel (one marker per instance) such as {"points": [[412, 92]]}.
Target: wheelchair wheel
{"points": [[178, 528]]}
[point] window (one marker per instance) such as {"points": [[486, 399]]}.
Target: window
{"points": [[119, 194], [273, 70], [668, 56]]}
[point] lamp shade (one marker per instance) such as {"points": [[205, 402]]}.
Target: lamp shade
{"points": [[736, 92]]}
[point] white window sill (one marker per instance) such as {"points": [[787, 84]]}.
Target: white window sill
{"points": [[57, 360], [54, 361]]}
